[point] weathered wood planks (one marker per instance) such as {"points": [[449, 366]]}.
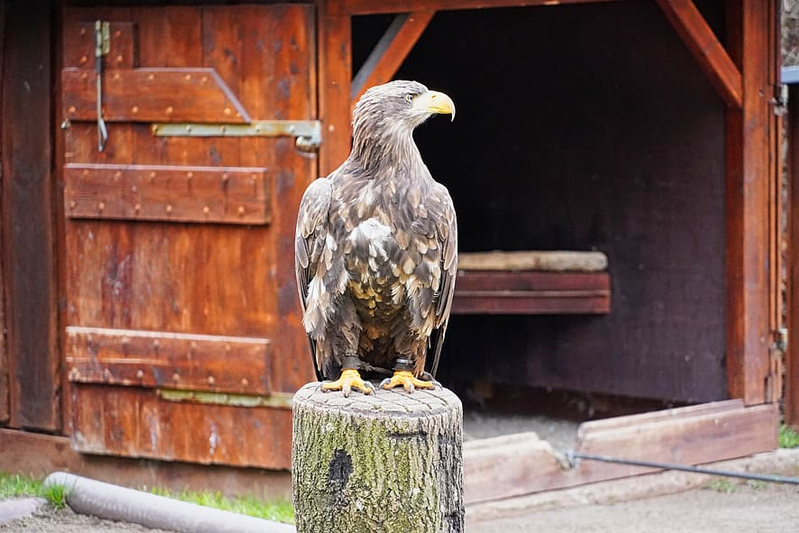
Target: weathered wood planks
{"points": [[28, 236], [691, 435], [498, 292], [152, 95], [157, 359], [231, 195]]}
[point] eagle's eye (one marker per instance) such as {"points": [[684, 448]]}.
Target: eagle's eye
{"points": [[409, 97]]}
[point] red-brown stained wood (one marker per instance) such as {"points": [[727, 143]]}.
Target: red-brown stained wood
{"points": [[139, 423], [200, 279], [749, 152], [792, 356], [706, 49], [395, 52], [27, 225], [335, 75], [169, 193], [79, 46], [152, 95], [367, 7], [521, 464], [240, 365], [39, 454], [4, 384], [484, 292]]}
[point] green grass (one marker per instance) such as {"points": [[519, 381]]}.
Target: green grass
{"points": [[277, 510], [788, 437], [722, 485], [15, 485]]}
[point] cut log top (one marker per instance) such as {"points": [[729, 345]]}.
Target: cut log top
{"points": [[383, 404], [553, 261]]}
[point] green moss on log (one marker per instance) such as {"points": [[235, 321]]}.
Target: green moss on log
{"points": [[390, 463]]}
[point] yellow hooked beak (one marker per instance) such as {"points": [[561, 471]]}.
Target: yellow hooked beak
{"points": [[435, 102]]}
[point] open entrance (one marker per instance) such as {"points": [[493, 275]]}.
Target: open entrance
{"points": [[584, 128]]}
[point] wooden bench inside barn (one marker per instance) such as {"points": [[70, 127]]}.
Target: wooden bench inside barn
{"points": [[532, 283]]}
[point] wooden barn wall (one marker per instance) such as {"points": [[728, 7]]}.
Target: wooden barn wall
{"points": [[27, 243], [586, 127]]}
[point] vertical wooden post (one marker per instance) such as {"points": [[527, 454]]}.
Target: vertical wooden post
{"points": [[792, 367], [27, 217], [335, 78], [749, 131], [4, 391]]}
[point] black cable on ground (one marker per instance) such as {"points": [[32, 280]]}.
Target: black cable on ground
{"points": [[574, 456]]}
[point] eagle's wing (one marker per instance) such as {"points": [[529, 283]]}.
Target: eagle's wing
{"points": [[309, 245], [442, 211]]}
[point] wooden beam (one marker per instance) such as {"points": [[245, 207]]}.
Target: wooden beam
{"points": [[4, 383], [389, 53], [792, 363], [748, 156], [335, 75], [706, 49], [39, 455], [514, 465], [28, 224], [370, 7]]}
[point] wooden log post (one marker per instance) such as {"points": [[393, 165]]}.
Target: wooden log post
{"points": [[388, 462]]}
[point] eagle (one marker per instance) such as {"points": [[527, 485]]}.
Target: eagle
{"points": [[376, 250]]}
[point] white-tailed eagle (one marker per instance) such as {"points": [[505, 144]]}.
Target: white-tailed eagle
{"points": [[376, 249]]}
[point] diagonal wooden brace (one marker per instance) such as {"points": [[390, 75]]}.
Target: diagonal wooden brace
{"points": [[706, 49], [389, 53]]}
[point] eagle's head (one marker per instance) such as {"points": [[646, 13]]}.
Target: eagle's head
{"points": [[399, 104]]}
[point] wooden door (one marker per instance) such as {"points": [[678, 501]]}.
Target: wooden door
{"points": [[183, 339]]}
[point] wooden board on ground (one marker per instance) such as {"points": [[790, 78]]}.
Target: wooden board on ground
{"points": [[38, 455], [690, 435]]}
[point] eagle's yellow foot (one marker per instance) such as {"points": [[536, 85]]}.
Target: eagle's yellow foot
{"points": [[350, 379], [408, 382]]}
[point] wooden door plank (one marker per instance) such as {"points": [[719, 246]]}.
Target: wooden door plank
{"points": [[706, 49], [139, 423], [792, 362], [370, 7], [335, 78], [522, 464], [39, 454], [152, 95], [158, 359], [169, 193], [28, 226], [79, 46], [748, 153], [390, 51]]}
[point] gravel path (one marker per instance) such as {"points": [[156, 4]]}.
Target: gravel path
{"points": [[730, 507]]}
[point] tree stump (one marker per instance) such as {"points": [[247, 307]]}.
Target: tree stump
{"points": [[389, 462]]}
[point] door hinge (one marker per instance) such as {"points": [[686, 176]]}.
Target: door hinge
{"points": [[307, 132]]}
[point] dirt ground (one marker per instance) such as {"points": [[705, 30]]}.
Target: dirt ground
{"points": [[65, 521], [729, 507]]}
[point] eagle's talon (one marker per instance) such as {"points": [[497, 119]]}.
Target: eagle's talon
{"points": [[350, 379], [408, 382], [427, 376]]}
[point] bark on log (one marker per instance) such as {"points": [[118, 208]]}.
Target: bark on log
{"points": [[389, 462]]}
